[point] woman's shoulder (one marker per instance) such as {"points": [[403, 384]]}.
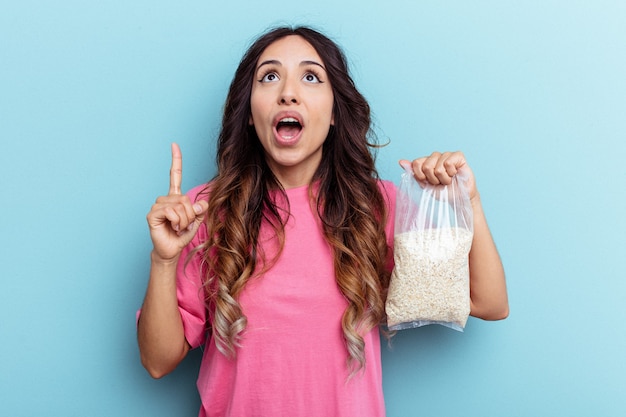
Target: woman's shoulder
{"points": [[388, 190], [200, 192]]}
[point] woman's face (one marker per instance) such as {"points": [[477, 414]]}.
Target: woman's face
{"points": [[292, 109]]}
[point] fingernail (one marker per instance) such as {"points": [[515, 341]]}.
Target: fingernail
{"points": [[197, 208]]}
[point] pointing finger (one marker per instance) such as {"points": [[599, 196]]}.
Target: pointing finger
{"points": [[176, 171]]}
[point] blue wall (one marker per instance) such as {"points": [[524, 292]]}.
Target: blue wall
{"points": [[533, 92]]}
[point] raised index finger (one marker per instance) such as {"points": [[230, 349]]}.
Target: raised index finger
{"points": [[176, 171]]}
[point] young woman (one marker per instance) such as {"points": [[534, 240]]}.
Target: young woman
{"points": [[279, 266]]}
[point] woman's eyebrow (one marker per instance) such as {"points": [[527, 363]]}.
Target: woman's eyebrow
{"points": [[305, 63], [269, 62], [278, 63]]}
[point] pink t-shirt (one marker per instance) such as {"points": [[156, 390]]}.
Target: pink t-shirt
{"points": [[292, 359]]}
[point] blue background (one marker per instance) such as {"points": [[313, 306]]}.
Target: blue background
{"points": [[534, 93]]}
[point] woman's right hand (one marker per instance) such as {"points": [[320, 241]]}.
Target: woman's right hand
{"points": [[173, 220]]}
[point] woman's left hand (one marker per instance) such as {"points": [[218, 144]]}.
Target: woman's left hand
{"points": [[439, 168]]}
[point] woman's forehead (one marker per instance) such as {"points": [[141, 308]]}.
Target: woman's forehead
{"points": [[290, 48]]}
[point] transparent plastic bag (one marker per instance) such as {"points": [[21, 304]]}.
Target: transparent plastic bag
{"points": [[433, 236]]}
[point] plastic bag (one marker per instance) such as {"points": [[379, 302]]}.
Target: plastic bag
{"points": [[433, 236]]}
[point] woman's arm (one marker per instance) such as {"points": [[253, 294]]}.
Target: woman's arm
{"points": [[173, 222], [488, 294], [160, 332]]}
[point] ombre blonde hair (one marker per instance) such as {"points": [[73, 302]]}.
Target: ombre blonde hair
{"points": [[348, 200]]}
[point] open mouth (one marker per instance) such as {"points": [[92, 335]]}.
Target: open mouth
{"points": [[288, 127]]}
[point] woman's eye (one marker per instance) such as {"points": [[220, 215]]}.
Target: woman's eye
{"points": [[269, 77], [311, 78]]}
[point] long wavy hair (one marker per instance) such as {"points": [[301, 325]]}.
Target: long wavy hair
{"points": [[347, 198]]}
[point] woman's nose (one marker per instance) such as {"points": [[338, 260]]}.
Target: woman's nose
{"points": [[289, 94]]}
